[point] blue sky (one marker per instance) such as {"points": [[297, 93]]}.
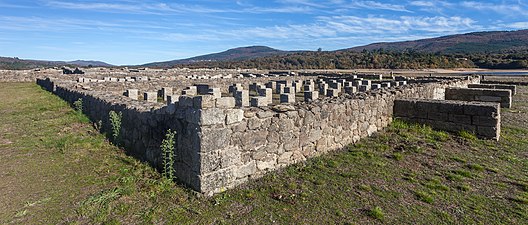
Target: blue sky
{"points": [[125, 32]]}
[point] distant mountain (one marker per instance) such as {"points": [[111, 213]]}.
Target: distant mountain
{"points": [[478, 42], [18, 64], [235, 54]]}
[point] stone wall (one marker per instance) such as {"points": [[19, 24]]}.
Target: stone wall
{"points": [[267, 138], [481, 118], [512, 88], [144, 125], [504, 97], [220, 145]]}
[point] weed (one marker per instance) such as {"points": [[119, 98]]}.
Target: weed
{"points": [[458, 159], [377, 213], [400, 124], [467, 135], [463, 173], [115, 122], [398, 156], [464, 187], [476, 167], [424, 197], [78, 105], [167, 149]]}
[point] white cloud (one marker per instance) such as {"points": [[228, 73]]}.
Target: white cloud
{"points": [[503, 8], [377, 5]]}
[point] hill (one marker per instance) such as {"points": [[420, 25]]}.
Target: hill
{"points": [[19, 64], [235, 54], [478, 42]]}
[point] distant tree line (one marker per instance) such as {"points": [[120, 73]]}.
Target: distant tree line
{"points": [[375, 59]]}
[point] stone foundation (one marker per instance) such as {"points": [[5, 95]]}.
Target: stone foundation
{"points": [[501, 96], [222, 142], [481, 118]]}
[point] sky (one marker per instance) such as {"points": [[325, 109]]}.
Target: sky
{"points": [[130, 32]]}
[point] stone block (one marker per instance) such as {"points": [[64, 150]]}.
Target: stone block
{"points": [[485, 121], [225, 102], [150, 96], [287, 98], [212, 116], [234, 116], [202, 89], [364, 88], [165, 92], [203, 101], [242, 98], [259, 101], [375, 86], [310, 96], [186, 101], [173, 99], [215, 92], [332, 92], [132, 93], [350, 90]]}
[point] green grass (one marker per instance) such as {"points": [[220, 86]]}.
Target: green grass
{"points": [[56, 168]]}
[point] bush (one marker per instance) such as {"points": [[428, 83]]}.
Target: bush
{"points": [[115, 122], [167, 150]]}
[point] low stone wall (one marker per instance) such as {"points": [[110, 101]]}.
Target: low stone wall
{"points": [[512, 88], [481, 118], [220, 145], [144, 125], [501, 96]]}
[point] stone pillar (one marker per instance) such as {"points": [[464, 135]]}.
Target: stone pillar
{"points": [[280, 88], [332, 92], [259, 101], [375, 86], [150, 96], [350, 90], [310, 96], [190, 91], [164, 92], [132, 93], [215, 92], [242, 98], [386, 85], [287, 98], [364, 88], [289, 90], [271, 84], [323, 89], [267, 93]]}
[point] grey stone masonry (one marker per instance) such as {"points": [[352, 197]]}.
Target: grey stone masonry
{"points": [[165, 92], [216, 92], [364, 88], [310, 96], [267, 93], [132, 93], [289, 90], [350, 90], [219, 148], [375, 86], [287, 98], [242, 98], [202, 89], [332, 92], [513, 88], [481, 118], [225, 102], [259, 101], [323, 89], [386, 85], [501, 96], [234, 88], [150, 96], [280, 88], [191, 91]]}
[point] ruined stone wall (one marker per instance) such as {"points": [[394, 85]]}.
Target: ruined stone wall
{"points": [[144, 125], [481, 118], [512, 88], [268, 138], [504, 97], [222, 146]]}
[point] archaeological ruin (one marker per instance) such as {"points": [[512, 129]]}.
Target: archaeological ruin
{"points": [[235, 125]]}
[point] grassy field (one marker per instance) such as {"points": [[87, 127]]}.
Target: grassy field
{"points": [[56, 168]]}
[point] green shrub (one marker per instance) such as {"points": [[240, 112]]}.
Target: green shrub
{"points": [[377, 213], [115, 122], [78, 105], [467, 135], [167, 150]]}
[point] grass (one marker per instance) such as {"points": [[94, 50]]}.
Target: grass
{"points": [[406, 174]]}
